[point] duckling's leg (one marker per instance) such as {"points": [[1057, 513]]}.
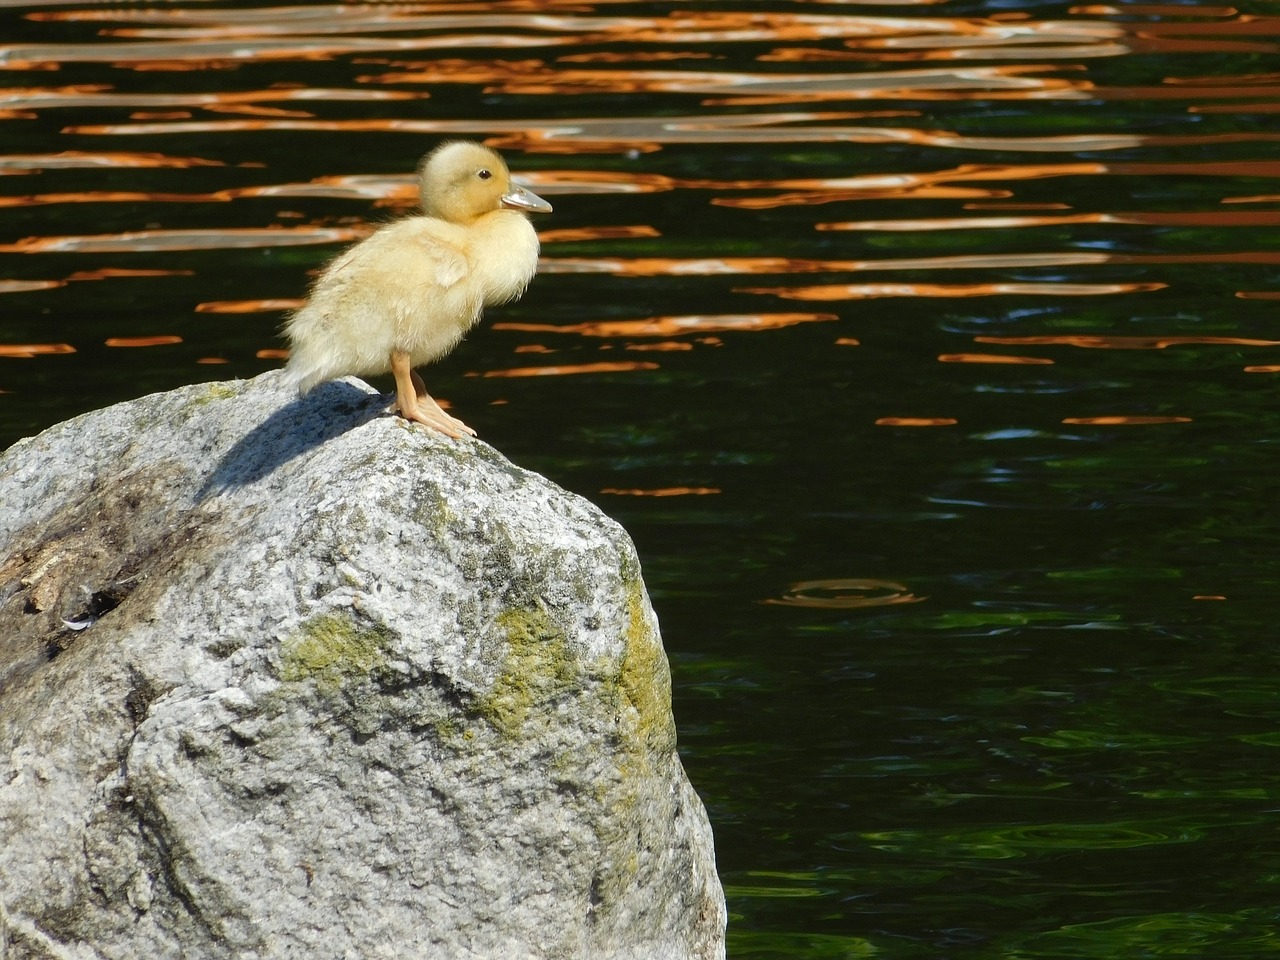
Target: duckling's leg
{"points": [[424, 398], [414, 403]]}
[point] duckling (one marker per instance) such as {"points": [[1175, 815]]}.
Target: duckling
{"points": [[408, 293]]}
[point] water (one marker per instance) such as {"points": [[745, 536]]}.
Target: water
{"points": [[928, 352]]}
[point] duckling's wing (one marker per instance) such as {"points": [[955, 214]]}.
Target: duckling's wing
{"points": [[443, 263], [403, 288]]}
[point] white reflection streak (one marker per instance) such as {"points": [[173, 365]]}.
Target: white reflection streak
{"points": [[161, 240], [701, 128], [53, 97], [249, 49], [382, 23]]}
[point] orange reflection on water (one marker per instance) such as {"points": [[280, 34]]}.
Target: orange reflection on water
{"points": [[573, 234], [907, 182], [1184, 91], [942, 183], [1127, 343], [661, 346], [635, 56], [382, 191], [224, 36], [712, 266], [663, 492], [916, 422], [990, 358], [997, 37], [211, 49], [929, 185], [536, 77], [1153, 10], [272, 353], [869, 291], [74, 159], [101, 196], [299, 19], [1258, 294], [26, 351], [674, 326], [26, 286], [563, 369], [599, 181], [157, 341], [1224, 80], [964, 223], [998, 205], [197, 239], [248, 101], [248, 306], [1122, 421], [1269, 106], [114, 273], [1218, 168], [649, 133], [250, 110], [1246, 25], [1244, 256], [1189, 218]]}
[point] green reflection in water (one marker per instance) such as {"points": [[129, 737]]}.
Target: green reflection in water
{"points": [[1118, 573], [1249, 933], [1234, 690], [1004, 842], [1109, 740], [782, 946]]}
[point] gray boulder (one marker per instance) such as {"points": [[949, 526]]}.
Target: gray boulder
{"points": [[288, 677]]}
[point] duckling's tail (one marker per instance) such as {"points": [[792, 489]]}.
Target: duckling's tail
{"points": [[302, 377], [306, 368]]}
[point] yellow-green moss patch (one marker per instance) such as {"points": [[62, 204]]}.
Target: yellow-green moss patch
{"points": [[538, 668], [216, 391], [332, 649], [645, 678]]}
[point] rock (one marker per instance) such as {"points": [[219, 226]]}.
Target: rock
{"points": [[288, 677]]}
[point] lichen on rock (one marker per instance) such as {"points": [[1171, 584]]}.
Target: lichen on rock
{"points": [[538, 668], [329, 648]]}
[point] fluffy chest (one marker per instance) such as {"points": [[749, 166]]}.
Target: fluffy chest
{"points": [[503, 253]]}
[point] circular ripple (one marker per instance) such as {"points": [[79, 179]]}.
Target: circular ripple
{"points": [[845, 593]]}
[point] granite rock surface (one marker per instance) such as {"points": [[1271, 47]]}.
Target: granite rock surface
{"points": [[290, 677]]}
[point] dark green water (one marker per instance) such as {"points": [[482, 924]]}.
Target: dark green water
{"points": [[948, 333]]}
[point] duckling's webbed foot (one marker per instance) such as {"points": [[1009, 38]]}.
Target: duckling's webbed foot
{"points": [[430, 414], [414, 403]]}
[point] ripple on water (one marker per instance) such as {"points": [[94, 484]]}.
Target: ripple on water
{"points": [[1009, 841], [1247, 933], [845, 593]]}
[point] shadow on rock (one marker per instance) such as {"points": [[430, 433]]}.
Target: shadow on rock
{"points": [[302, 425]]}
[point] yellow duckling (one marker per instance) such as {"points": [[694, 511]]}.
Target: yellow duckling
{"points": [[408, 293]]}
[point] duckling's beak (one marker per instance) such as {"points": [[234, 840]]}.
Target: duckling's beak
{"points": [[525, 199]]}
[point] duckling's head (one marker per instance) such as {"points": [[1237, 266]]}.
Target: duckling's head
{"points": [[461, 181]]}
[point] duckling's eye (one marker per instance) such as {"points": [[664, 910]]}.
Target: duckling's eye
{"points": [[484, 174]]}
